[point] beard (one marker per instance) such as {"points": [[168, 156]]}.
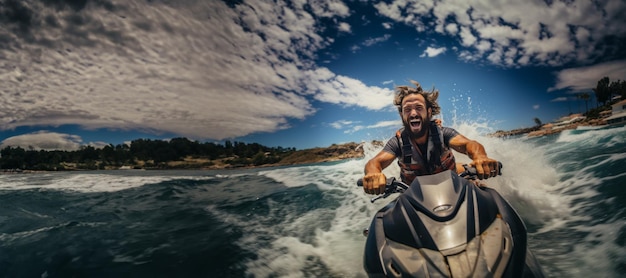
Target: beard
{"points": [[417, 126]]}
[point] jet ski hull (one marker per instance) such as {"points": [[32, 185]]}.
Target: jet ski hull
{"points": [[446, 226]]}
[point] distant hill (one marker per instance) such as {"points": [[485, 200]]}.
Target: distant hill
{"points": [[178, 153], [335, 152]]}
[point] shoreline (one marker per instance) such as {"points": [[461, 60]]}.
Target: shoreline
{"points": [[567, 123], [333, 153], [291, 157]]}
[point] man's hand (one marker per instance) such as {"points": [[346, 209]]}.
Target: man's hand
{"points": [[486, 167], [374, 183]]}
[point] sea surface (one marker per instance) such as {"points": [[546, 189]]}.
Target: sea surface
{"points": [[301, 221]]}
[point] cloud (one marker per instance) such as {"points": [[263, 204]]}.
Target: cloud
{"points": [[345, 27], [559, 99], [433, 52], [44, 140], [585, 78], [352, 127], [202, 69], [341, 90], [341, 124], [536, 107], [392, 123], [515, 33], [377, 40]]}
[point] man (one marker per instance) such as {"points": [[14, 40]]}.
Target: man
{"points": [[423, 147]]}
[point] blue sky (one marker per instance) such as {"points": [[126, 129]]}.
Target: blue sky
{"points": [[292, 73]]}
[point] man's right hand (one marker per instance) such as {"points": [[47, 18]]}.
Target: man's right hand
{"points": [[374, 183]]}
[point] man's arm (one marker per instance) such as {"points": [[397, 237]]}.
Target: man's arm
{"points": [[485, 166], [379, 162], [374, 180]]}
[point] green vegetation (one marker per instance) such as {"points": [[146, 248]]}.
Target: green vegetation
{"points": [[605, 90], [144, 153]]}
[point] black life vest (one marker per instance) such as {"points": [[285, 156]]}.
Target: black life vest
{"points": [[439, 157]]}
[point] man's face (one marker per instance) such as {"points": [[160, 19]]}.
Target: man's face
{"points": [[415, 115]]}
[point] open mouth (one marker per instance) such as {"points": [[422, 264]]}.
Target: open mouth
{"points": [[415, 123]]}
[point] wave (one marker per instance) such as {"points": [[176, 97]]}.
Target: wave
{"points": [[555, 183], [603, 137], [8, 238], [307, 220], [92, 182]]}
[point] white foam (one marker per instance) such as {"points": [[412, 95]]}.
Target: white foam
{"points": [[593, 137], [529, 181], [85, 181], [9, 237]]}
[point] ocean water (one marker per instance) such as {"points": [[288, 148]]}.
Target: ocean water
{"points": [[301, 221]]}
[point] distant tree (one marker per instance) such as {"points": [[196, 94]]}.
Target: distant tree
{"points": [[618, 88], [585, 97], [228, 146], [12, 158], [259, 159], [603, 90], [183, 146], [88, 153], [538, 122], [152, 152]]}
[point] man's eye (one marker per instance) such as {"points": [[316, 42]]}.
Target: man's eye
{"points": [[409, 109]]}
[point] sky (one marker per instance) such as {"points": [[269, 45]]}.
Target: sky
{"points": [[302, 73]]}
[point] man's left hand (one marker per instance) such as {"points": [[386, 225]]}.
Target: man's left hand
{"points": [[486, 167]]}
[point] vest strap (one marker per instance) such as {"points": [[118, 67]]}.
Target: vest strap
{"points": [[434, 157], [407, 149]]}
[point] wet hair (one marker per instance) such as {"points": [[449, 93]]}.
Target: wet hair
{"points": [[430, 97]]}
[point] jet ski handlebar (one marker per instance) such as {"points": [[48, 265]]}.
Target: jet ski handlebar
{"points": [[391, 186], [471, 173], [397, 186]]}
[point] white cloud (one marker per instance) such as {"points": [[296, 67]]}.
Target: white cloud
{"points": [[452, 28], [433, 52], [483, 46], [392, 123], [337, 89], [467, 38], [559, 99], [536, 107], [200, 69], [341, 124], [377, 40], [44, 140], [575, 29], [585, 78], [345, 27], [352, 127], [328, 8]]}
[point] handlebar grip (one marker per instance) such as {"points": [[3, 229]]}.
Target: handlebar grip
{"points": [[471, 172]]}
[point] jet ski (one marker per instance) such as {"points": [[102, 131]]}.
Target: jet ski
{"points": [[445, 225]]}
